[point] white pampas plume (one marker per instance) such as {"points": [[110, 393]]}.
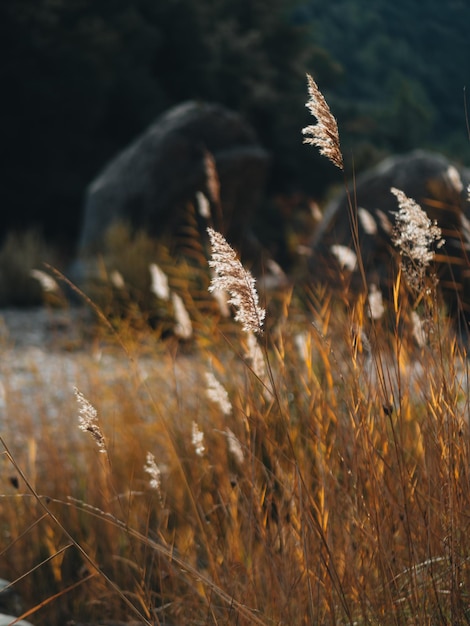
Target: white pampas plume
{"points": [[452, 177], [256, 361], [197, 439], [152, 469], [88, 420], [203, 205], [234, 446], [414, 235], [117, 280], [303, 345], [324, 134], [217, 393], [47, 283], [315, 211], [414, 232], [368, 222], [183, 327], [385, 223], [376, 305], [346, 257], [222, 298], [159, 285], [418, 329], [231, 276], [255, 357]]}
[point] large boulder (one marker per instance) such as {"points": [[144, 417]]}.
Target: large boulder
{"points": [[438, 186], [151, 182]]}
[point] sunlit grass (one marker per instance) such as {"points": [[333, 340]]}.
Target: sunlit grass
{"points": [[310, 467], [346, 500]]}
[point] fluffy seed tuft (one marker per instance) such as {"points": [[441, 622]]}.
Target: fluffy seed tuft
{"points": [[183, 325], [88, 420], [324, 134], [46, 281], [152, 469], [197, 439], [159, 285], [231, 276], [217, 393], [415, 236]]}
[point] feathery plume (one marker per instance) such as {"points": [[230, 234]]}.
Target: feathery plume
{"points": [[152, 469], [203, 205], [418, 329], [255, 357], [88, 420], [47, 283], [324, 134], [234, 446], [217, 393], [376, 305], [117, 280], [197, 439], [346, 257], [256, 361], [302, 343], [315, 211], [183, 326], [368, 222], [231, 276], [275, 269], [221, 297], [385, 223], [159, 285], [414, 235], [452, 177]]}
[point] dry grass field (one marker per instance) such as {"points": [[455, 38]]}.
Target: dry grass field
{"points": [[309, 467]]}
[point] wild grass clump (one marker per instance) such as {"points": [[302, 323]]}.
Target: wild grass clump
{"points": [[24, 281], [309, 470], [141, 283]]}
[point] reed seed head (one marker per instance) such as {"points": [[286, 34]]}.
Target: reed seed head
{"points": [[415, 236], [324, 134], [217, 393], [231, 276], [159, 285], [88, 420], [183, 325]]}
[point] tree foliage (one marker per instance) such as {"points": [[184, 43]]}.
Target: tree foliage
{"points": [[81, 78], [405, 67]]}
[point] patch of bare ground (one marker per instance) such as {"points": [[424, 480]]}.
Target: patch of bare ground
{"points": [[46, 353]]}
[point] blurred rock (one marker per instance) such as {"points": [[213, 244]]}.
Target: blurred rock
{"points": [[439, 187], [10, 605], [150, 183], [10, 601], [6, 620]]}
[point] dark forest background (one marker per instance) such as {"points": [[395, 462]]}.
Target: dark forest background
{"points": [[81, 78]]}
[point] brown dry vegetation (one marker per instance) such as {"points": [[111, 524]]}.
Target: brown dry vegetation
{"points": [[335, 491], [350, 503]]}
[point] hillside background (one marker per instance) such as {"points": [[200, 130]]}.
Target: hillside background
{"points": [[81, 78]]}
